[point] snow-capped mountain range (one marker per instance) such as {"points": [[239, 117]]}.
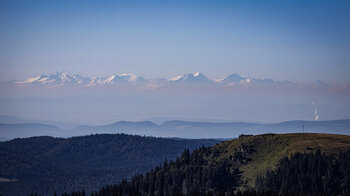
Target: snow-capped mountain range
{"points": [[232, 80]]}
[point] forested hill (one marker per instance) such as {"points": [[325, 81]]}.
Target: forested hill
{"points": [[47, 165], [270, 164]]}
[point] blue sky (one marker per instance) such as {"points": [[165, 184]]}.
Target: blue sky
{"points": [[300, 41]]}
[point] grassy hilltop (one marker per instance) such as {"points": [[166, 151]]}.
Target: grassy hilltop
{"points": [[262, 152]]}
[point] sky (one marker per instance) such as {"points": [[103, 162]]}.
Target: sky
{"points": [[301, 41], [296, 40]]}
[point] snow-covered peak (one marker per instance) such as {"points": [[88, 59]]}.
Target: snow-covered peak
{"points": [[120, 79], [129, 77], [196, 74], [231, 80], [175, 78], [108, 80], [191, 78], [28, 81], [59, 78], [246, 82]]}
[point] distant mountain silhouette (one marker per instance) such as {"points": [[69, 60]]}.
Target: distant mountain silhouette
{"points": [[29, 130], [176, 128]]}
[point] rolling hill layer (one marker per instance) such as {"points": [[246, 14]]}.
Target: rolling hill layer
{"points": [[47, 165]]}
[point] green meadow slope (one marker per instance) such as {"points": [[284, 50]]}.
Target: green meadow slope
{"points": [[259, 153]]}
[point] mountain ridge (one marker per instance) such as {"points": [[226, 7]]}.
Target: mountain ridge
{"points": [[198, 78]]}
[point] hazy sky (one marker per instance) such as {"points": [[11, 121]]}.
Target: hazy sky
{"points": [[296, 40]]}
